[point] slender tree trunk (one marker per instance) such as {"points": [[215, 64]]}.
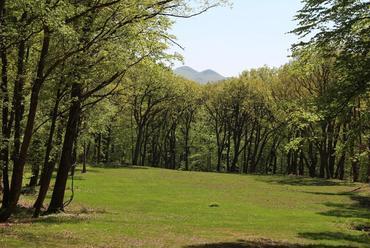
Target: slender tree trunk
{"points": [[85, 153], [6, 121], [144, 146], [289, 163], [35, 175], [355, 170], [253, 167], [137, 149], [313, 160], [342, 160], [219, 159], [323, 152], [249, 150], [18, 99], [332, 141], [340, 166], [301, 163], [56, 203], [172, 148], [6, 130], [368, 160], [187, 131], [236, 140], [108, 145], [220, 147], [48, 166], [355, 165], [74, 155], [19, 162], [228, 148], [274, 170], [98, 155]]}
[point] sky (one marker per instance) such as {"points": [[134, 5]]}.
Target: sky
{"points": [[251, 34]]}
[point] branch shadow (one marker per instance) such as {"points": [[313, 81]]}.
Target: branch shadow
{"points": [[28, 237], [23, 215], [302, 181], [116, 166], [263, 243], [363, 238], [358, 209]]}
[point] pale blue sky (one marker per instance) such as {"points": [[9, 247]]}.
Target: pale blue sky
{"points": [[251, 34]]}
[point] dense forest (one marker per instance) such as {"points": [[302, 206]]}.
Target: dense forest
{"points": [[89, 83]]}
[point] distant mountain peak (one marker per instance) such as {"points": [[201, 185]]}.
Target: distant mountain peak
{"points": [[205, 76], [185, 67], [209, 71]]}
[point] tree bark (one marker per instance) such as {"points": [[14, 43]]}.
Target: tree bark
{"points": [[66, 160], [85, 153], [368, 161], [136, 154], [5, 130], [19, 162]]}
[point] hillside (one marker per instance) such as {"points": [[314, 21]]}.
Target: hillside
{"points": [[200, 77], [146, 207]]}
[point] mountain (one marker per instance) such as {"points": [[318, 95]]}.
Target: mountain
{"points": [[200, 77]]}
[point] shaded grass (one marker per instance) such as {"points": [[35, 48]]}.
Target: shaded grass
{"points": [[263, 243], [125, 207]]}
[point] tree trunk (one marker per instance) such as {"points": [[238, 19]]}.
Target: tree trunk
{"points": [[98, 155], [66, 160], [18, 99], [6, 129], [301, 164], [74, 154], [187, 148], [236, 139], [108, 145], [35, 175], [340, 166], [332, 142], [136, 154], [85, 153], [253, 167], [48, 167], [313, 160], [18, 167], [368, 160], [323, 152]]}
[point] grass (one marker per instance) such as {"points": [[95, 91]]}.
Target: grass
{"points": [[145, 207]]}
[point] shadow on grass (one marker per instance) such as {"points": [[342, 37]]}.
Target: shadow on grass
{"points": [[261, 244], [359, 208], [25, 237], [362, 238], [302, 181], [115, 166], [23, 215]]}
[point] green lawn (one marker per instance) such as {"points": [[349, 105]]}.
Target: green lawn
{"points": [[144, 207]]}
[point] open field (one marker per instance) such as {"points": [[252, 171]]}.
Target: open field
{"points": [[145, 207]]}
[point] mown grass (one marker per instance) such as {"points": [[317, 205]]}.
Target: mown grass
{"points": [[146, 207]]}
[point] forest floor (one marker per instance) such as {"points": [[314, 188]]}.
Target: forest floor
{"points": [[146, 207]]}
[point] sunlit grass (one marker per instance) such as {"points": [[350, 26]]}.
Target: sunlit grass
{"points": [[145, 207]]}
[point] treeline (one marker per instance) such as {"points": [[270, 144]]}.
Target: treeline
{"points": [[268, 121], [87, 82]]}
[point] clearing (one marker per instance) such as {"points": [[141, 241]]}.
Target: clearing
{"points": [[147, 207]]}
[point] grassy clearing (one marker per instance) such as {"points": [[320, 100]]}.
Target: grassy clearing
{"points": [[145, 207]]}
